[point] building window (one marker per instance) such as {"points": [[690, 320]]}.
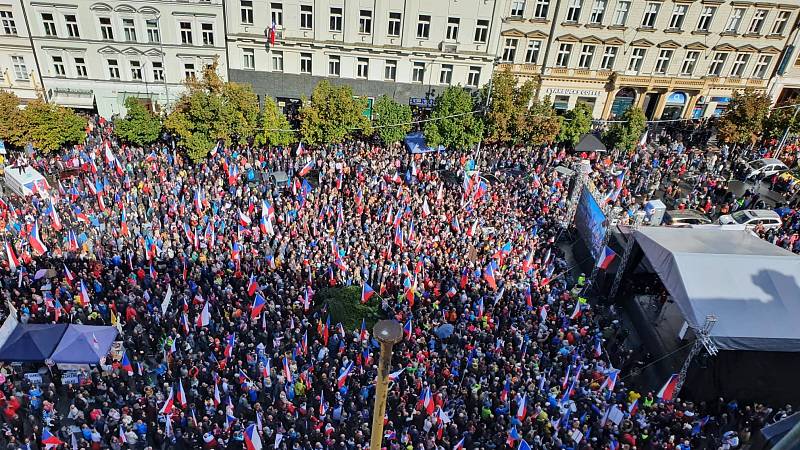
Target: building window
{"points": [[129, 30], [153, 35], [418, 72], [158, 71], [689, 62], [113, 69], [662, 63], [336, 19], [585, 60], [704, 24], [106, 30], [305, 63], [249, 56], [739, 65], [762, 65], [621, 13], [573, 10], [188, 71], [49, 25], [395, 20], [452, 28], [277, 61], [276, 10], [780, 22], [481, 31], [390, 71], [136, 70], [540, 9], [532, 54], [186, 32], [510, 50], [678, 15], [598, 11], [247, 11], [517, 8], [365, 21], [72, 25], [446, 74], [58, 66], [635, 64], [80, 68], [716, 65], [734, 20], [562, 58], [20, 69], [9, 25], [424, 27], [306, 17], [650, 15], [474, 76], [334, 65], [362, 68], [207, 30], [609, 57], [757, 21]]}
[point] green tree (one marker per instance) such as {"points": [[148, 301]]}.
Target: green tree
{"points": [[333, 115], [744, 121], [625, 135], [10, 116], [506, 118], [212, 109], [455, 124], [780, 119], [48, 127], [273, 122], [389, 112], [577, 122], [140, 126], [542, 124]]}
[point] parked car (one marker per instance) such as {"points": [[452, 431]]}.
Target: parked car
{"points": [[763, 168], [683, 218], [787, 180], [752, 217]]}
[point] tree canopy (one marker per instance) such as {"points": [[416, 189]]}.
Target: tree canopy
{"points": [[454, 124], [624, 135], [542, 124], [744, 121], [333, 115], [140, 126], [780, 119], [212, 109], [507, 117], [46, 126], [577, 122], [272, 122], [389, 112]]}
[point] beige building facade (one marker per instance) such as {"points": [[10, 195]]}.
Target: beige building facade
{"points": [[19, 71], [675, 59]]}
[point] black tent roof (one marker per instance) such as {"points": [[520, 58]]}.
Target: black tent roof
{"points": [[590, 143], [32, 342]]}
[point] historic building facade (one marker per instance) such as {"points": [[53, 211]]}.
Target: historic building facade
{"points": [[18, 63], [673, 58]]}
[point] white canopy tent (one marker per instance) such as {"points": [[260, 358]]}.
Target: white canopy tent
{"points": [[750, 285]]}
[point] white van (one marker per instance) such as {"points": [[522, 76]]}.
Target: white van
{"points": [[752, 218], [25, 181]]}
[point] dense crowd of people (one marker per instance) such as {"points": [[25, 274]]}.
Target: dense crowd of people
{"points": [[499, 345]]}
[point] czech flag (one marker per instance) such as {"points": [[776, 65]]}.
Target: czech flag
{"points": [[36, 241], [49, 440], [230, 341], [460, 444], [606, 258], [205, 317], [488, 275], [168, 405], [181, 394], [340, 382], [267, 210], [667, 392], [366, 293], [395, 375], [252, 285], [258, 305], [407, 329], [13, 262], [83, 295], [287, 371], [126, 363], [72, 241], [244, 219], [307, 168], [427, 401], [362, 335], [252, 440], [522, 409]]}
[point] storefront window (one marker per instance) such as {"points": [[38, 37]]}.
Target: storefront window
{"points": [[561, 103], [675, 104], [622, 101]]}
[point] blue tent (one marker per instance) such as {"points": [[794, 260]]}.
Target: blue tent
{"points": [[416, 144], [84, 344], [32, 342]]}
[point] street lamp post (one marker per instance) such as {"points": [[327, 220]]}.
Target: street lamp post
{"points": [[388, 333]]}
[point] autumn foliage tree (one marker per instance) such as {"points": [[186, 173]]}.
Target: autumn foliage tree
{"points": [[743, 123], [333, 115]]}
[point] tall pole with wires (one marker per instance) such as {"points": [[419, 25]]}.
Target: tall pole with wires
{"points": [[786, 133]]}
